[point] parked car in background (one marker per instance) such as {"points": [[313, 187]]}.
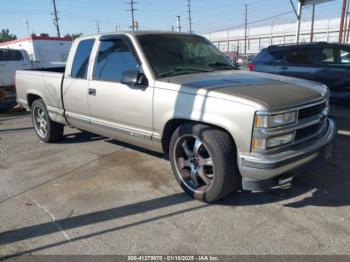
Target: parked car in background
{"points": [[10, 61], [245, 60], [327, 63], [176, 93]]}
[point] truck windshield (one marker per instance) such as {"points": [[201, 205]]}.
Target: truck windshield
{"points": [[172, 55]]}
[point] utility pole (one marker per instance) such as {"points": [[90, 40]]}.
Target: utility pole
{"points": [[132, 11], [189, 14], [299, 13], [55, 20], [26, 25], [312, 23], [97, 23], [348, 32], [178, 23], [341, 28], [245, 28], [346, 21]]}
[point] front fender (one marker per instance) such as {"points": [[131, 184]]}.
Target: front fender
{"points": [[236, 118]]}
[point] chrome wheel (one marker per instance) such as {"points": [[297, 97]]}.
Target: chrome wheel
{"points": [[40, 121], [194, 163]]}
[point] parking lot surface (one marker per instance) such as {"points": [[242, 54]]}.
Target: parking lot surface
{"points": [[92, 195]]}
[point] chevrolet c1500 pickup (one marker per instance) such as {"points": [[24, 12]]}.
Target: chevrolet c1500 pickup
{"points": [[224, 129]]}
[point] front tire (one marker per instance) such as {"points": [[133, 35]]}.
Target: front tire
{"points": [[203, 160], [47, 130]]}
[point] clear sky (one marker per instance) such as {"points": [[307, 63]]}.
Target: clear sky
{"points": [[80, 16]]}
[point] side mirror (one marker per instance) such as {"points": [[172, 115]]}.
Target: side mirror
{"points": [[134, 78]]}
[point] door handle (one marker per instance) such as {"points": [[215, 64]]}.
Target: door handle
{"points": [[92, 92]]}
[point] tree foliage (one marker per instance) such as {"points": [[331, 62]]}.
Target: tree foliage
{"points": [[76, 35], [5, 35]]}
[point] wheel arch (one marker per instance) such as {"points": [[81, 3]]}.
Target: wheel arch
{"points": [[31, 98], [174, 123]]}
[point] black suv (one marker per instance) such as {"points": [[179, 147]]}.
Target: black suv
{"points": [[326, 63]]}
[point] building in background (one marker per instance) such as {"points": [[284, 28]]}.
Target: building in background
{"points": [[43, 50], [232, 40]]}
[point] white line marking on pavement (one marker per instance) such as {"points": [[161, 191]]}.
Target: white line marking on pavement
{"points": [[53, 218]]}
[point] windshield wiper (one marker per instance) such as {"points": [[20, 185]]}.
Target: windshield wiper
{"points": [[221, 65], [176, 70]]}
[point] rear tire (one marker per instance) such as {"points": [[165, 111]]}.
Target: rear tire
{"points": [[47, 130], [203, 160]]}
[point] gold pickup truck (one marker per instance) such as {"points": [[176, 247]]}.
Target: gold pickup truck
{"points": [[176, 93]]}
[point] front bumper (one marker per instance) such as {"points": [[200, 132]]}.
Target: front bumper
{"points": [[267, 166]]}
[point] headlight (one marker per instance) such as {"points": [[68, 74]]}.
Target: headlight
{"points": [[280, 140], [264, 120], [260, 144]]}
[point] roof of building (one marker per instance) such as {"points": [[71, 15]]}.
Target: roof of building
{"points": [[35, 37]]}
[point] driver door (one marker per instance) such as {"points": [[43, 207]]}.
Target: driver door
{"points": [[117, 110]]}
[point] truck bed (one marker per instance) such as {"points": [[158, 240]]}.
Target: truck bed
{"points": [[45, 83], [50, 69]]}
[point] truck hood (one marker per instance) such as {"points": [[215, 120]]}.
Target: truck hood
{"points": [[272, 91]]}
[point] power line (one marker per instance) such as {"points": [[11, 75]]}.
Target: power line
{"points": [[254, 22], [189, 15], [132, 11], [55, 20]]}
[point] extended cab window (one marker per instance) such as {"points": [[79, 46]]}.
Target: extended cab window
{"points": [[114, 58], [304, 56], [81, 59]]}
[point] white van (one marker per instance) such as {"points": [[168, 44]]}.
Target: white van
{"points": [[10, 61]]}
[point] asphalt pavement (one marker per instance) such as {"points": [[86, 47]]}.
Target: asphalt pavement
{"points": [[92, 195]]}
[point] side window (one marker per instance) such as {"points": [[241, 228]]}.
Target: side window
{"points": [[344, 56], [272, 56], [328, 55], [2, 55], [114, 58], [81, 59], [301, 56], [15, 56]]}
